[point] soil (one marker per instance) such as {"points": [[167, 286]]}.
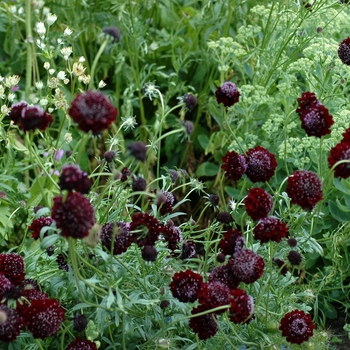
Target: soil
{"points": [[337, 331]]}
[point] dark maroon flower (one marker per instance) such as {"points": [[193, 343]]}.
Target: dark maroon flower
{"points": [[247, 266], [270, 229], [29, 117], [292, 242], [185, 285], [281, 265], [139, 184], [12, 267], [227, 94], [138, 150], [221, 257], [346, 136], [232, 242], [114, 32], [164, 304], [297, 326], [189, 126], [225, 275], [344, 51], [30, 283], [72, 178], [79, 322], [125, 173], [214, 200], [148, 229], [258, 203], [242, 307], [62, 262], [188, 250], [11, 323], [165, 201], [261, 164], [214, 294], [38, 224], [173, 236], [235, 165], [80, 344], [307, 102], [339, 152], [50, 250], [119, 234], [92, 111], [28, 296], [5, 285], [75, 216], [317, 122], [43, 317], [174, 175], [206, 325], [109, 156], [304, 188], [294, 257], [224, 217], [149, 253], [190, 101]]}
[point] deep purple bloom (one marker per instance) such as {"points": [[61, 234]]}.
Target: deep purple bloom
{"points": [[38, 224], [294, 257], [139, 184], [270, 229], [12, 267], [344, 51], [109, 156], [79, 322], [224, 274], [72, 178], [224, 217], [227, 94], [258, 203], [114, 32], [138, 150], [340, 151], [11, 323], [116, 235], [149, 253], [242, 307], [214, 294], [232, 242], [206, 325], [190, 101], [235, 165]]}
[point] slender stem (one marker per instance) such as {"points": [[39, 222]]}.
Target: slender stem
{"points": [[29, 38], [94, 64]]}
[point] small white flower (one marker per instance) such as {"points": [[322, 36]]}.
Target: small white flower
{"points": [[5, 110], [39, 85], [12, 81], [44, 102], [50, 110], [78, 69], [46, 65], [129, 122], [68, 137], [101, 84], [232, 204], [46, 10], [67, 32], [51, 71], [51, 19], [2, 90], [40, 28], [84, 78], [13, 9], [82, 59], [20, 10], [66, 52], [40, 44], [61, 75], [11, 96], [59, 41], [66, 81]]}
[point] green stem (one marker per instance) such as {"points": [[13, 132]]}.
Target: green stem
{"points": [[29, 38], [94, 64]]}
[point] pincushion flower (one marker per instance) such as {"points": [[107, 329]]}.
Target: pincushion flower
{"points": [[29, 118], [80, 322], [225, 275], [306, 102], [12, 267], [72, 178], [92, 111], [344, 51], [235, 165], [294, 257], [297, 326], [138, 150], [38, 224], [116, 235], [224, 217], [247, 266], [227, 94], [165, 201], [304, 188], [185, 285], [339, 152], [214, 294], [5, 285], [206, 325], [75, 215], [11, 324], [190, 101], [241, 307], [43, 317], [261, 164], [258, 203], [28, 296], [80, 344], [270, 229], [232, 242]]}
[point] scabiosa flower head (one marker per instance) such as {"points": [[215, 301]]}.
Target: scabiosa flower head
{"points": [[242, 307], [221, 257], [43, 317], [227, 94], [188, 250], [149, 253], [185, 285], [165, 201], [11, 323], [30, 283], [173, 236], [114, 32], [138, 150], [297, 326], [119, 234], [214, 200], [38, 224], [247, 266], [225, 275], [341, 151], [214, 294], [139, 184], [12, 267], [109, 156], [235, 165], [224, 217], [149, 229], [344, 51], [261, 164], [79, 322], [294, 257], [72, 178], [258, 203], [16, 111], [307, 102], [62, 263], [206, 325], [80, 344], [92, 111], [75, 216], [28, 296], [5, 285], [304, 188], [281, 265], [346, 136], [292, 242], [174, 175], [190, 101], [125, 173], [270, 229], [232, 242]]}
